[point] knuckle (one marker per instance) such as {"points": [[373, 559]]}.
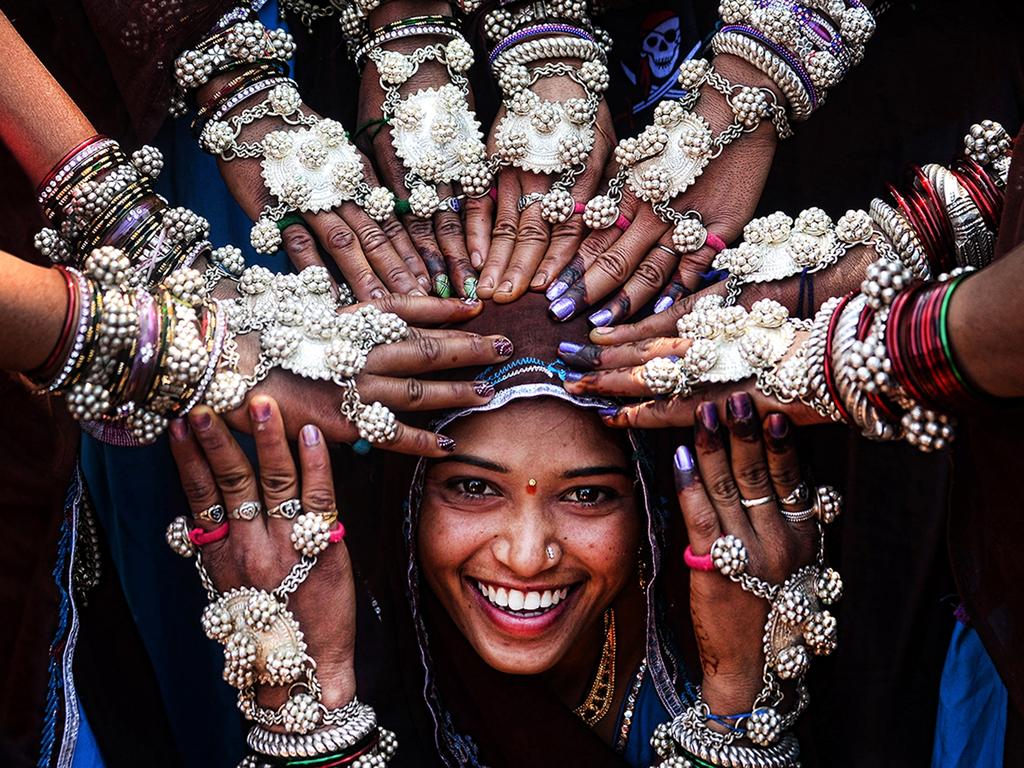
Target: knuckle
{"points": [[504, 229], [372, 237], [420, 228], [197, 490], [614, 264], [651, 274], [233, 480], [298, 239], [277, 481], [395, 274], [704, 523], [391, 302], [319, 499], [723, 489], [788, 475], [755, 474], [429, 348], [449, 226], [392, 228], [532, 232], [414, 392], [340, 238]]}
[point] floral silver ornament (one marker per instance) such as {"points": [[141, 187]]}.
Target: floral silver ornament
{"points": [[729, 555], [301, 714], [265, 237], [178, 539], [600, 212], [764, 726], [828, 504], [663, 376], [217, 622], [855, 226], [557, 206], [821, 633], [379, 204], [793, 606], [310, 534], [828, 586], [376, 423], [689, 236], [792, 663]]}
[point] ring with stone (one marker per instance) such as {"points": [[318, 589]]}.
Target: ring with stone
{"points": [[213, 514], [247, 510], [286, 510]]}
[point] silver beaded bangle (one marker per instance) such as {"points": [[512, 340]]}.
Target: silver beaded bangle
{"points": [[415, 30], [973, 241], [772, 66], [356, 726], [902, 237], [247, 93], [549, 48]]}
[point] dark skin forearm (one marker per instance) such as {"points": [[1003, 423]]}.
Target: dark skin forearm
{"points": [[986, 326]]}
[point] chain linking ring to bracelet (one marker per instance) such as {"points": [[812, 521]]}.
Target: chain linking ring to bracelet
{"points": [[247, 510], [286, 510]]}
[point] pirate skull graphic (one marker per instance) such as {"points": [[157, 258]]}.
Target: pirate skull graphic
{"points": [[660, 48]]}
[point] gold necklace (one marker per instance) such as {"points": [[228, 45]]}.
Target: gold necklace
{"points": [[602, 690]]}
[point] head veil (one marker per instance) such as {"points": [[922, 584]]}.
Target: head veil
{"points": [[480, 716]]}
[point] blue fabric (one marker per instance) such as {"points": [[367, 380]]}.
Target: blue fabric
{"points": [[87, 753], [971, 723], [648, 714], [136, 493]]}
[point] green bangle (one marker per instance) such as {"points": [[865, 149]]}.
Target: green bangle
{"points": [[947, 348], [288, 219]]}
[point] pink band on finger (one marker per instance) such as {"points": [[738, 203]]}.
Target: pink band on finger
{"points": [[578, 207], [337, 534], [716, 243], [493, 193], [622, 223], [201, 538], [697, 562]]}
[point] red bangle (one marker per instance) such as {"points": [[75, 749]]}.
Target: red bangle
{"points": [[65, 160]]}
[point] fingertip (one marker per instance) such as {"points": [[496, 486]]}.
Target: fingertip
{"points": [[311, 436], [179, 431], [684, 468], [201, 418]]}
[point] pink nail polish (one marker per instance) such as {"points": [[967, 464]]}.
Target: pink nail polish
{"points": [[310, 435]]}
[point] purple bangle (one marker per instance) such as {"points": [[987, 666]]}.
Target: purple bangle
{"points": [[541, 29], [129, 221], [147, 355], [782, 53]]}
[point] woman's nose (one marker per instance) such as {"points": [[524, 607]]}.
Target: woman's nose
{"points": [[526, 545]]}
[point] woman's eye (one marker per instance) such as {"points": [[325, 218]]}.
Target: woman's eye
{"points": [[588, 495], [472, 487]]}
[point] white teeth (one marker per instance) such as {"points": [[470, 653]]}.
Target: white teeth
{"points": [[556, 596], [564, 592], [532, 602], [482, 587], [501, 598], [515, 600], [491, 593], [545, 599]]}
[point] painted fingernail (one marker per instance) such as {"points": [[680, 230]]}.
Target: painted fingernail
{"points": [[707, 413], [740, 406], [503, 347], [569, 348], [607, 413], [202, 420], [442, 286], [684, 468], [476, 259], [505, 287], [261, 410], [604, 331], [311, 435], [778, 426], [179, 429], [469, 287], [573, 376], [562, 308], [601, 318], [662, 304], [556, 289], [483, 388], [445, 443], [539, 279]]}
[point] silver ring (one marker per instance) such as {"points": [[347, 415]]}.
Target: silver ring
{"points": [[213, 514], [798, 496], [799, 516], [666, 249], [525, 201], [748, 503], [286, 510], [247, 510]]}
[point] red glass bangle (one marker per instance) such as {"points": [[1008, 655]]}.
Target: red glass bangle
{"points": [[65, 160]]}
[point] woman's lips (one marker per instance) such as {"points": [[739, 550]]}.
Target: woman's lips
{"points": [[523, 613]]}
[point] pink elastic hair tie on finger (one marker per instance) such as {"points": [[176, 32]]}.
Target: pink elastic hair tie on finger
{"points": [[201, 538], [622, 223], [578, 207], [716, 243], [337, 534], [697, 562]]}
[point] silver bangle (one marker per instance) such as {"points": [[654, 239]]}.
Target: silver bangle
{"points": [[772, 66], [354, 729], [424, 30], [549, 48], [973, 241], [904, 239]]}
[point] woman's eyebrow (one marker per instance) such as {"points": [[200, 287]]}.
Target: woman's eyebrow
{"points": [[611, 469], [476, 461]]}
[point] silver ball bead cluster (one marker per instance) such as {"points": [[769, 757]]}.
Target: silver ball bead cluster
{"points": [[376, 423], [177, 537], [764, 726], [729, 555], [600, 212], [663, 376], [310, 534]]}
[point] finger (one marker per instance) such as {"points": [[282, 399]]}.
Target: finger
{"points": [[564, 242], [421, 232], [315, 466], [702, 524], [300, 247], [503, 236], [405, 248], [452, 240], [435, 351], [532, 240], [593, 245], [784, 466], [629, 355], [428, 310], [342, 245], [662, 324], [750, 468], [379, 252], [620, 382], [643, 285], [694, 266], [233, 473], [716, 470], [674, 291], [479, 213], [197, 481], [417, 442], [279, 481], [652, 414], [412, 394]]}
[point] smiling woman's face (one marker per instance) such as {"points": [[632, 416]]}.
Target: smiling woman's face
{"points": [[485, 530]]}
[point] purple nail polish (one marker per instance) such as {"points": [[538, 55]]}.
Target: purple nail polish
{"points": [[261, 411], [740, 406], [562, 308], [556, 289], [778, 426], [202, 420], [684, 469], [445, 443], [662, 304], [310, 435], [569, 348], [573, 376], [708, 415], [179, 429], [483, 388], [601, 318], [607, 413], [503, 347]]}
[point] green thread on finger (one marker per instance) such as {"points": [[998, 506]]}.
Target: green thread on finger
{"points": [[402, 207], [365, 127], [442, 286], [469, 287], [288, 219]]}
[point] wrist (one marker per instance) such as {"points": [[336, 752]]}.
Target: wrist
{"points": [[396, 10], [730, 693], [741, 71]]}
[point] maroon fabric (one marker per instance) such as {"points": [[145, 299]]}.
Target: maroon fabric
{"points": [[985, 522]]}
